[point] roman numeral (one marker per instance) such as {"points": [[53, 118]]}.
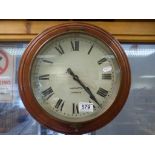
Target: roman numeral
{"points": [[75, 108], [75, 45], [60, 49], [59, 104], [102, 92], [90, 49], [44, 77], [47, 61], [101, 61], [47, 93], [107, 76]]}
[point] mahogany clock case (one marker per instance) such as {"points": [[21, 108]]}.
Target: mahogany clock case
{"points": [[24, 78]]}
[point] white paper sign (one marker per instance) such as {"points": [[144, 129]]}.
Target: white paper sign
{"points": [[85, 107], [6, 76]]}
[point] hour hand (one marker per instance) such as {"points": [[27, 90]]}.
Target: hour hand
{"points": [[75, 77], [70, 72]]}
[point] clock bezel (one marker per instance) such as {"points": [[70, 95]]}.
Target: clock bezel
{"points": [[24, 79]]}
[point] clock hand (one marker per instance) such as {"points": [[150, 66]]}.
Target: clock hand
{"points": [[92, 96], [76, 78], [0, 58]]}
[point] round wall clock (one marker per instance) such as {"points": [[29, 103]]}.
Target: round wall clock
{"points": [[74, 78]]}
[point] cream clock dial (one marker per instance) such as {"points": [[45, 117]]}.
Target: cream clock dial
{"points": [[74, 78], [74, 69]]}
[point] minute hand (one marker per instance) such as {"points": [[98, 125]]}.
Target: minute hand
{"points": [[76, 78]]}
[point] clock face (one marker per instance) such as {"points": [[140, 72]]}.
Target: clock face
{"points": [[75, 77]]}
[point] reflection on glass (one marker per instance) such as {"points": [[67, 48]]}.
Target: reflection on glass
{"points": [[139, 50], [14, 119], [138, 114], [137, 117]]}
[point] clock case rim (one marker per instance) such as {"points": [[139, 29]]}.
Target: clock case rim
{"points": [[24, 79]]}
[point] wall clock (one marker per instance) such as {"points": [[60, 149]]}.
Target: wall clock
{"points": [[74, 78]]}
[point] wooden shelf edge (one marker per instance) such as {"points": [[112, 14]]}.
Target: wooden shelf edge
{"points": [[23, 27], [124, 31], [134, 38], [121, 38], [16, 37]]}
